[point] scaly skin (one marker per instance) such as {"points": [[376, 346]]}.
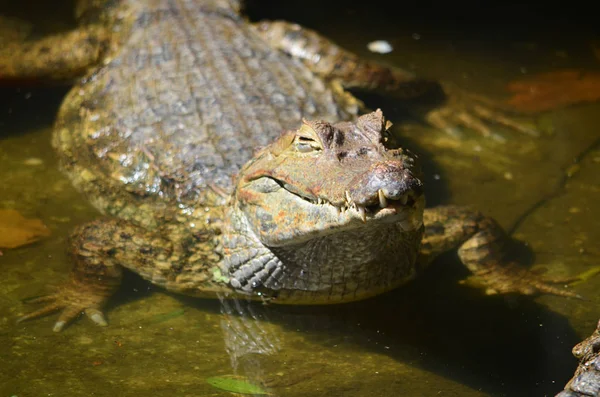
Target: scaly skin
{"points": [[586, 381], [162, 140]]}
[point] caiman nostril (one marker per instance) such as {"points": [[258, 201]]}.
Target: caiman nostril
{"points": [[385, 182]]}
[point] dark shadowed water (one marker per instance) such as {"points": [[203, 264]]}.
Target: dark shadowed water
{"points": [[433, 337]]}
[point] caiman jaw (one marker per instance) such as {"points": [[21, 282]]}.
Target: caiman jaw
{"points": [[405, 209], [405, 203]]}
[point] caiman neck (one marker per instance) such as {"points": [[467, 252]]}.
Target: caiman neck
{"points": [[334, 268]]}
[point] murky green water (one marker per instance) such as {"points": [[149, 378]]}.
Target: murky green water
{"points": [[433, 337]]}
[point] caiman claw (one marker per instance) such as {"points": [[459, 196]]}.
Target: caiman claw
{"points": [[71, 303]]}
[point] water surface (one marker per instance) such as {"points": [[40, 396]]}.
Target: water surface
{"points": [[433, 337]]}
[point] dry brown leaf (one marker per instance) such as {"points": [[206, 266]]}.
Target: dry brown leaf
{"points": [[553, 90], [16, 230]]}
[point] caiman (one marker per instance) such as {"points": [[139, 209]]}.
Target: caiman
{"points": [[228, 158]]}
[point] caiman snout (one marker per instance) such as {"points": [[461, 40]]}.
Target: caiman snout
{"points": [[384, 182]]}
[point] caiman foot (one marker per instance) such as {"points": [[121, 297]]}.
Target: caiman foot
{"points": [[483, 250], [464, 109], [98, 250], [513, 278], [72, 302]]}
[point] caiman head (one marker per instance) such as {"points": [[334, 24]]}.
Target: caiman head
{"points": [[325, 214]]}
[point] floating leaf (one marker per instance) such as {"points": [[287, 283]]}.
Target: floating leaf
{"points": [[16, 230], [235, 385], [552, 90]]}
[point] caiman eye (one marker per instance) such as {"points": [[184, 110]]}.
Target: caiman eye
{"points": [[306, 145]]}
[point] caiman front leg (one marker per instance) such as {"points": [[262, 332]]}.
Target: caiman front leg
{"points": [[481, 246], [586, 382], [328, 60], [64, 56], [100, 250]]}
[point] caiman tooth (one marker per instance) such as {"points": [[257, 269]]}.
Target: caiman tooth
{"points": [[348, 198], [403, 199], [362, 212], [382, 199]]}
